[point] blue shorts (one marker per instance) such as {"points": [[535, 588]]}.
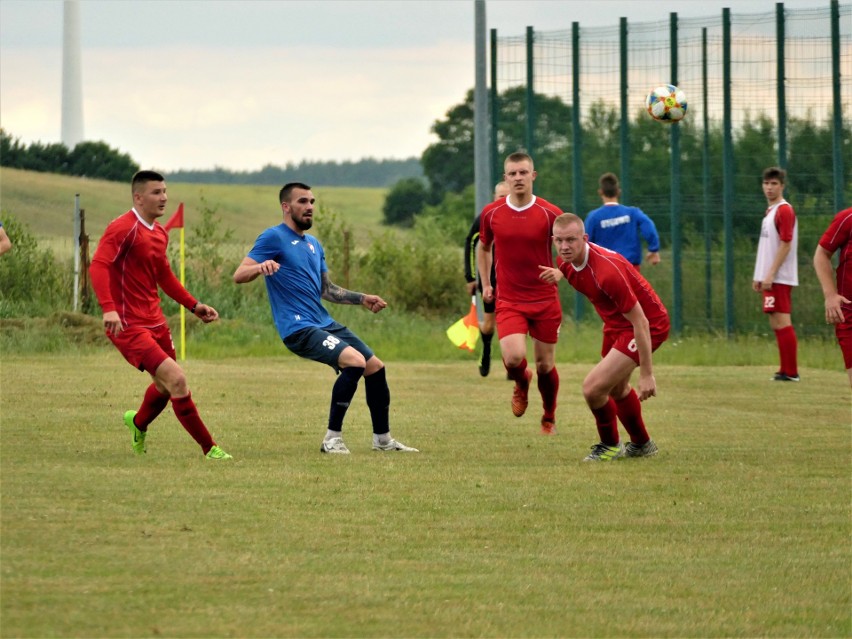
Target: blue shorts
{"points": [[325, 344]]}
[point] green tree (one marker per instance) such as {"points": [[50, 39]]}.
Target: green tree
{"points": [[98, 160], [405, 200]]}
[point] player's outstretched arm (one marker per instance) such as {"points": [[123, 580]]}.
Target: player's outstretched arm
{"points": [[250, 269], [339, 295]]}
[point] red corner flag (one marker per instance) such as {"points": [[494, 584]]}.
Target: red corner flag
{"points": [[176, 220]]}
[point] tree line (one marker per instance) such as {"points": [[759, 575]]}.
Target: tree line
{"points": [[367, 172], [98, 160], [87, 159]]}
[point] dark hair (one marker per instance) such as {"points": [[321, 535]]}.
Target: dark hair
{"points": [[140, 178], [775, 173], [608, 183], [284, 193]]}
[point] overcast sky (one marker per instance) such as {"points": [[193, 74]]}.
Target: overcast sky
{"points": [[182, 84]]}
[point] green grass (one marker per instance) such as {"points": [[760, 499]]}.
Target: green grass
{"points": [[740, 527]]}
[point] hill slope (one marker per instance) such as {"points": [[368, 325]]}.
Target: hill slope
{"points": [[45, 202]]}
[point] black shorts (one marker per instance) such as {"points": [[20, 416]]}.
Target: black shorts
{"points": [[325, 344]]}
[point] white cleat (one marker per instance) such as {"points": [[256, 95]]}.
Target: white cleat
{"points": [[394, 445], [334, 445]]}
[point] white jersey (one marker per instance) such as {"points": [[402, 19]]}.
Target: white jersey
{"points": [[768, 247]]}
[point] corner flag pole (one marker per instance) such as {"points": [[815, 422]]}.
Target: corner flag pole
{"points": [[183, 283], [176, 221]]}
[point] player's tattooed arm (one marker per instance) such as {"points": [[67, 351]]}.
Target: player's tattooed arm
{"points": [[334, 293]]}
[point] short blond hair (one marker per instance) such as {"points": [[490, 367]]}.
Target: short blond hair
{"points": [[569, 218]]}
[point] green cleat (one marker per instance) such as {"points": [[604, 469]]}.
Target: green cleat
{"points": [[217, 453], [601, 452], [138, 435]]}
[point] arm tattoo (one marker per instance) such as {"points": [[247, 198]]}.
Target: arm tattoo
{"points": [[334, 293]]}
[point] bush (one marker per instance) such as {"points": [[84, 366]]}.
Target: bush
{"points": [[33, 282]]}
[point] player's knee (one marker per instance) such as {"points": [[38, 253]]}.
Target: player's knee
{"points": [[350, 357]]}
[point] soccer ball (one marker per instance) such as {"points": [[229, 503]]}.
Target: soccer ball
{"points": [[666, 104]]}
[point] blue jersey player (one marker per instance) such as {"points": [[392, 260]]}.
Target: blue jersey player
{"points": [[293, 265], [622, 228]]}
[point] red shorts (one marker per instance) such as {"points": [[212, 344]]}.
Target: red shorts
{"points": [[624, 342], [540, 319], [145, 348], [844, 338], [778, 299]]}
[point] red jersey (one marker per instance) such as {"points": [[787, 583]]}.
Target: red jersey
{"points": [[523, 240], [839, 236], [128, 265], [613, 286]]}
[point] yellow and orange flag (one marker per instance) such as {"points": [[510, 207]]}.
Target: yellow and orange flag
{"points": [[465, 332]]}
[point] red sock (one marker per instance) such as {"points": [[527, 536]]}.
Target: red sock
{"points": [[605, 417], [152, 405], [548, 386], [518, 373], [188, 416], [629, 410], [787, 347]]}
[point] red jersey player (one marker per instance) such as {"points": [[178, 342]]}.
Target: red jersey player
{"points": [[776, 270], [128, 266], [519, 227], [838, 298], [635, 324]]}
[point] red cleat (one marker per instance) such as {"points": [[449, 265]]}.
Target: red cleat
{"points": [[520, 396], [548, 427]]}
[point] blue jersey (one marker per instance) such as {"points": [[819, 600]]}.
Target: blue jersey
{"points": [[621, 229], [295, 291]]}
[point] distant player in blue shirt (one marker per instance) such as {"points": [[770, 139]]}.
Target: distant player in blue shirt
{"points": [[293, 265], [622, 228]]}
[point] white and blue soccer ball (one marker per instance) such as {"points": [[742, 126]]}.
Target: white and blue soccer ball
{"points": [[666, 104]]}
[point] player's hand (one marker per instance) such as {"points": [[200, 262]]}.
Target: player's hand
{"points": [[269, 267], [112, 323], [374, 303], [653, 258], [487, 293], [206, 313], [549, 274], [647, 387], [766, 285], [471, 288], [833, 308]]}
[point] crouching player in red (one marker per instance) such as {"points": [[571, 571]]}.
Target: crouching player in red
{"points": [[635, 324], [838, 297]]}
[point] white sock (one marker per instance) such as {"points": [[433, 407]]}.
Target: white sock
{"points": [[331, 434], [381, 439]]}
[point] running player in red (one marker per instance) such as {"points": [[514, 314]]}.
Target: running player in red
{"points": [[519, 227], [635, 324], [776, 270], [128, 266], [838, 298]]}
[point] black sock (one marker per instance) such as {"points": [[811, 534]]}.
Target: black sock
{"points": [[341, 396], [378, 400], [486, 344]]}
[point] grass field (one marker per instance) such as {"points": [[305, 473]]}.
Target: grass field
{"points": [[45, 202], [740, 527]]}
